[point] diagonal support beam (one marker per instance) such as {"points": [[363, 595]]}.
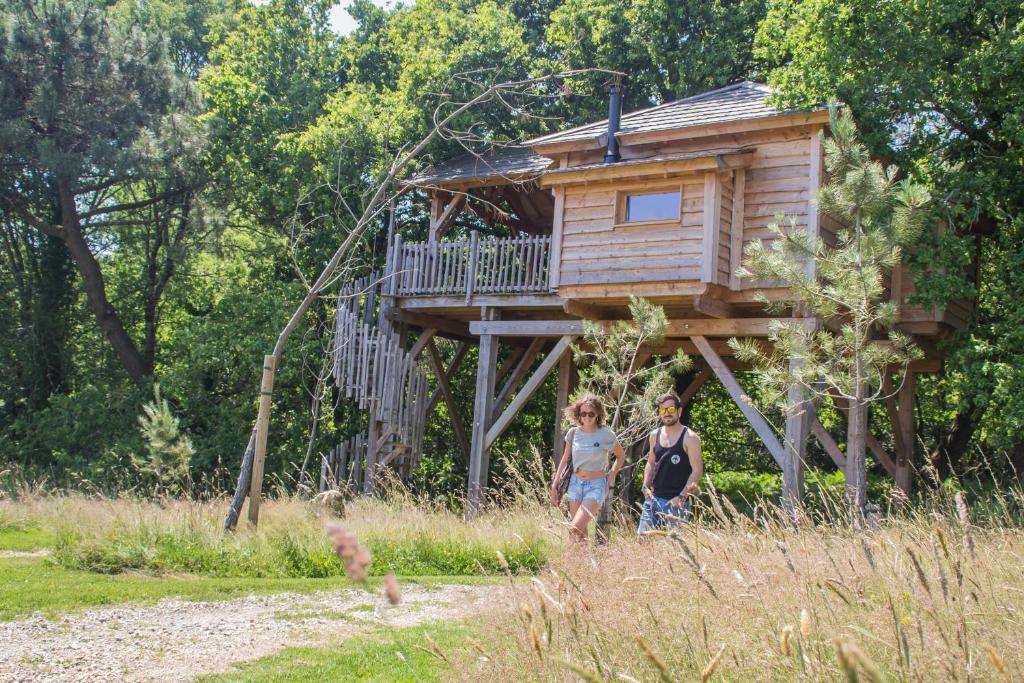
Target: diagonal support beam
{"points": [[449, 398], [742, 401], [828, 443], [421, 342], [456, 363], [531, 386], [517, 376]]}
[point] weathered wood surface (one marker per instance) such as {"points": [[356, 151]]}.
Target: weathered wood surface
{"points": [[506, 265], [372, 369], [675, 328]]}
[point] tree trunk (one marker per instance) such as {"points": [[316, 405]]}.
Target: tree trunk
{"points": [[948, 455], [95, 290], [856, 468]]}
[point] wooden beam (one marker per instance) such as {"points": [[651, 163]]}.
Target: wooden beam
{"points": [[814, 178], [532, 384], [440, 222], [739, 190], [742, 401], [421, 342], [691, 390], [828, 443], [883, 457], [566, 377], [554, 265], [455, 328], [412, 303], [711, 305], [754, 327], [712, 225], [522, 367], [479, 461], [449, 398], [460, 354], [583, 310]]}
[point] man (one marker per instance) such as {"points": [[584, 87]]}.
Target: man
{"points": [[674, 468]]}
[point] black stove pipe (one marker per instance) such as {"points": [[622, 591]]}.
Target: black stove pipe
{"points": [[611, 155]]}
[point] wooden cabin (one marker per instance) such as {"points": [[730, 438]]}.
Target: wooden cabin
{"points": [[657, 203]]}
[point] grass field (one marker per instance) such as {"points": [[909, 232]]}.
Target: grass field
{"points": [[930, 592]]}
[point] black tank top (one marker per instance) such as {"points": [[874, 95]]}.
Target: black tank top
{"points": [[671, 466]]}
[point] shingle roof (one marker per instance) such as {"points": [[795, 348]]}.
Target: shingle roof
{"points": [[515, 163], [740, 101]]}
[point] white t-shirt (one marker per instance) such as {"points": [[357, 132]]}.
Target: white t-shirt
{"points": [[591, 450]]}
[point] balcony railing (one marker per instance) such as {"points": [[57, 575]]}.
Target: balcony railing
{"points": [[505, 265]]}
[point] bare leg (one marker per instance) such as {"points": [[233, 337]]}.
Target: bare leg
{"points": [[585, 512], [574, 508]]}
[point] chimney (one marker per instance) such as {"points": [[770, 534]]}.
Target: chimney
{"points": [[611, 155]]}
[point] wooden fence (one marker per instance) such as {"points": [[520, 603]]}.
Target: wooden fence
{"points": [[504, 265], [373, 371]]}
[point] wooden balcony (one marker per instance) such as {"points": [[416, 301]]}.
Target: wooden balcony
{"points": [[488, 265]]}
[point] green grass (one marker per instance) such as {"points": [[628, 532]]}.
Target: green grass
{"points": [[25, 540], [30, 584], [373, 657]]}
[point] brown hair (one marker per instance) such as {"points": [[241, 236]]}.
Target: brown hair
{"points": [[670, 396], [572, 411]]}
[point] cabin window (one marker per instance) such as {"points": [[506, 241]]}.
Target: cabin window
{"points": [[651, 206]]}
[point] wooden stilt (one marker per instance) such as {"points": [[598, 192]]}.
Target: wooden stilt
{"points": [[479, 461], [453, 367], [797, 428], [449, 399], [742, 401], [565, 373]]}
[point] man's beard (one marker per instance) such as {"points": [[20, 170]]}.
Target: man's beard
{"points": [[668, 421]]}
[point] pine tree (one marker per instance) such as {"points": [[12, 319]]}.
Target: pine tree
{"points": [[845, 286]]}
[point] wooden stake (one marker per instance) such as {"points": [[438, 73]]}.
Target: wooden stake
{"points": [[262, 426]]}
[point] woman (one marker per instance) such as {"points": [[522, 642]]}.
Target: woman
{"points": [[587, 445]]}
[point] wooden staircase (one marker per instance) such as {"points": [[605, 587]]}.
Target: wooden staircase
{"points": [[373, 370]]}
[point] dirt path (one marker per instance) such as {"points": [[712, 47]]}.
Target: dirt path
{"points": [[176, 640]]}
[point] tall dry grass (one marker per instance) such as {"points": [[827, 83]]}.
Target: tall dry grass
{"points": [[406, 535], [924, 596]]}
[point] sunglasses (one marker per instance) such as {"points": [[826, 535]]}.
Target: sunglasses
{"points": [[587, 414], [667, 410]]}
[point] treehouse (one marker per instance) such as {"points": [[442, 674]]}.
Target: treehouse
{"points": [[657, 203]]}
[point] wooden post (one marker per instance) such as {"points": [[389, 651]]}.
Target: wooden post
{"points": [[906, 430], [474, 254], [554, 265], [797, 427], [479, 461], [712, 220], [739, 190], [566, 370], [262, 426]]}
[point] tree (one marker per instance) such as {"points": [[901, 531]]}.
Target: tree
{"points": [[937, 89], [843, 285], [89, 112]]}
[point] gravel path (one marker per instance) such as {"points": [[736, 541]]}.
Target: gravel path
{"points": [[176, 640]]}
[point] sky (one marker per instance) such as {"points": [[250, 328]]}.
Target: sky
{"points": [[341, 20]]}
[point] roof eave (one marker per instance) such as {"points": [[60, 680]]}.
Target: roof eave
{"points": [[781, 120]]}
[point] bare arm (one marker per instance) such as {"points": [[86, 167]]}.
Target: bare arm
{"points": [[693, 452], [649, 468], [566, 453], [620, 460]]}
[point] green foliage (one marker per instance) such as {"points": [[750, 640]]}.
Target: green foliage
{"points": [[609, 368], [936, 88], [384, 656], [30, 585], [168, 452]]}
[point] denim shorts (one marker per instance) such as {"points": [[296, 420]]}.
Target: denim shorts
{"points": [[586, 489], [658, 514]]}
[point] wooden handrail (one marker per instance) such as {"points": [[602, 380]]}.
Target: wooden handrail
{"points": [[503, 265]]}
